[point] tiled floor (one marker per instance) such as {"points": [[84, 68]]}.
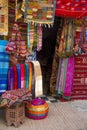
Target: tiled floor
{"points": [[62, 116]]}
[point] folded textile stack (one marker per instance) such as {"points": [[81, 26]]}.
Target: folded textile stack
{"points": [[16, 96]]}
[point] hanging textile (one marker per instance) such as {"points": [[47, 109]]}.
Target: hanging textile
{"points": [[64, 82], [18, 11], [71, 8], [41, 12], [67, 39], [3, 17], [79, 89], [4, 66]]}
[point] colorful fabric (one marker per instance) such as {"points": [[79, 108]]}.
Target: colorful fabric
{"points": [[19, 75], [18, 11], [63, 63], [15, 77], [10, 79], [69, 77], [37, 109], [3, 17], [15, 96], [22, 69], [38, 79], [30, 76], [71, 8], [79, 89], [4, 66], [41, 12], [67, 39], [26, 75]]}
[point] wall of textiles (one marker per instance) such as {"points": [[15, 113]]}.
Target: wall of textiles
{"points": [[69, 82]]}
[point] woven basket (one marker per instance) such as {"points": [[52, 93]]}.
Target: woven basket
{"points": [[37, 109]]}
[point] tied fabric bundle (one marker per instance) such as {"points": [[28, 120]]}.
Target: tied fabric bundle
{"points": [[71, 8], [37, 109]]}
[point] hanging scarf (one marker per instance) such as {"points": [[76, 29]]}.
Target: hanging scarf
{"points": [[15, 77], [69, 78], [26, 75], [10, 78], [67, 39], [22, 67], [19, 75]]}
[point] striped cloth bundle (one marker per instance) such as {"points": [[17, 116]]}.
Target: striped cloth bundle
{"points": [[4, 65], [37, 109], [27, 75]]}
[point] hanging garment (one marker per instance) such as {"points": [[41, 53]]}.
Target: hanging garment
{"points": [[65, 77], [67, 39], [4, 66], [71, 8], [69, 78]]}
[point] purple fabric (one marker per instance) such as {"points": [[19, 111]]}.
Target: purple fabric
{"points": [[69, 77], [10, 78], [37, 102]]}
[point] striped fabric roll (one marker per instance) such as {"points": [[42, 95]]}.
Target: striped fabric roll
{"points": [[4, 66], [37, 109], [19, 75]]}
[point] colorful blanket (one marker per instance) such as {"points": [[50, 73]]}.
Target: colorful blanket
{"points": [[71, 8], [4, 66], [39, 11]]}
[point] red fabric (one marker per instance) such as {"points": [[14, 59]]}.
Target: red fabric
{"points": [[79, 90], [71, 8], [15, 77]]}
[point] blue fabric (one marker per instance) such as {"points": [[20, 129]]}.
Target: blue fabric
{"points": [[19, 75], [4, 65]]}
